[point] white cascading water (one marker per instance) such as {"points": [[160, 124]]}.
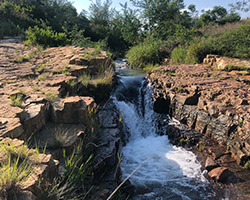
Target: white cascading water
{"points": [[172, 172]]}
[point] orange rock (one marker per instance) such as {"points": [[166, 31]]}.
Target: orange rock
{"points": [[218, 174]]}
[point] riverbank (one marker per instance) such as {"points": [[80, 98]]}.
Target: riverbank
{"points": [[213, 103]]}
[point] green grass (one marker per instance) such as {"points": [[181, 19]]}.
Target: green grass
{"points": [[150, 68], [20, 59], [85, 79], [16, 100], [35, 88], [147, 52], [62, 136], [71, 185], [15, 167], [72, 83], [43, 77], [51, 97], [14, 172]]}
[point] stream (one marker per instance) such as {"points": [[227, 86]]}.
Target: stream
{"points": [[170, 172]]}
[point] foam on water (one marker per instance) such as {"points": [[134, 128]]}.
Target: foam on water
{"points": [[172, 172]]}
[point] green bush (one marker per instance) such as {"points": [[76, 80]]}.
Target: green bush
{"points": [[9, 29], [45, 37], [147, 52], [231, 43], [179, 54]]}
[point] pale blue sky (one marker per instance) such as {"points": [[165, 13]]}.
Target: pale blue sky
{"points": [[208, 4]]}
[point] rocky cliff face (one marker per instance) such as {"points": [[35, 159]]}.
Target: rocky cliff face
{"points": [[214, 103], [46, 102]]}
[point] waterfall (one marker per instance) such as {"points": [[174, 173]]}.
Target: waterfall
{"points": [[172, 172]]}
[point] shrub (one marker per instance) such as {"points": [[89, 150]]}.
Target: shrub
{"points": [[9, 29], [45, 37], [147, 52], [179, 54], [233, 42]]}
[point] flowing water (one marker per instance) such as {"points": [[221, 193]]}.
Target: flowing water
{"points": [[171, 172]]}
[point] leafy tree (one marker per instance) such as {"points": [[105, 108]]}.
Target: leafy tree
{"points": [[59, 13], [128, 24], [160, 15], [101, 13], [218, 15], [243, 5]]}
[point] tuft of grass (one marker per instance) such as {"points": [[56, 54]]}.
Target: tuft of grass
{"points": [[72, 83], [35, 88], [150, 68], [43, 77], [16, 100], [14, 166], [51, 97], [180, 88], [240, 120], [104, 77], [62, 136], [247, 165], [194, 74], [21, 91], [40, 68], [65, 70], [85, 79], [170, 73], [72, 184], [20, 59], [14, 172]]}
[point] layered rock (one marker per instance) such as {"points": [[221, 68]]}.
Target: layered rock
{"points": [[223, 62], [44, 102], [214, 103]]}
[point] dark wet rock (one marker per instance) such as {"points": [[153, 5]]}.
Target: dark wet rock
{"points": [[128, 188], [101, 195], [161, 105]]}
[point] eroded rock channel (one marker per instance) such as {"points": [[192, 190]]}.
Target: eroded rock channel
{"points": [[49, 104]]}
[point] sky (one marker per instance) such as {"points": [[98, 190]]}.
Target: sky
{"points": [[208, 4]]}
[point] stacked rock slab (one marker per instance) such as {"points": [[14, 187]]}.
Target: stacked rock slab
{"points": [[50, 109], [214, 103], [223, 62]]}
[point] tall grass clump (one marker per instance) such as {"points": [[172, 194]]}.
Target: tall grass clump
{"points": [[71, 185], [98, 85], [16, 100], [15, 167], [147, 52]]}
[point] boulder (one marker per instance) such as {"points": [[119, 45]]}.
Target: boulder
{"points": [[219, 174], [26, 195], [101, 195], [72, 109], [59, 137], [36, 118], [210, 164]]}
